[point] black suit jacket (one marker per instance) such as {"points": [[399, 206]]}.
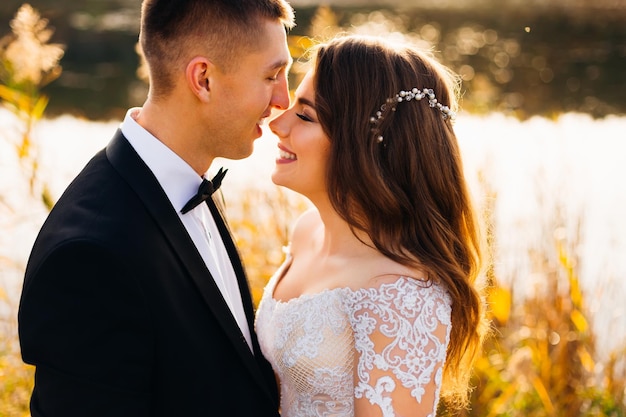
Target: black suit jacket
{"points": [[119, 313]]}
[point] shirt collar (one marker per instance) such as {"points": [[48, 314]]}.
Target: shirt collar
{"points": [[179, 181]]}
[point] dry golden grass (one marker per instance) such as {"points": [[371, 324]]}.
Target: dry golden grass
{"points": [[261, 223], [16, 384]]}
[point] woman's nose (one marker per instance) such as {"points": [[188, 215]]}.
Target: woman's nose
{"points": [[278, 126]]}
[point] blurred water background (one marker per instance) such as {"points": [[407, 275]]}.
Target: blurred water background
{"points": [[531, 57], [542, 128]]}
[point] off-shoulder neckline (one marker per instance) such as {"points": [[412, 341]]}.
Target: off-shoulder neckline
{"points": [[280, 273]]}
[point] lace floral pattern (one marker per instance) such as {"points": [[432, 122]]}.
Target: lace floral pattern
{"points": [[376, 343], [407, 314]]}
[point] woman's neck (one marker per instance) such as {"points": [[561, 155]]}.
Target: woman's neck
{"points": [[337, 238]]}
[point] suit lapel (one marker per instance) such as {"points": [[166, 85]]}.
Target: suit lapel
{"points": [[130, 166], [235, 260]]}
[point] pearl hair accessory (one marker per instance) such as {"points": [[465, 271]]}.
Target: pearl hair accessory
{"points": [[413, 94]]}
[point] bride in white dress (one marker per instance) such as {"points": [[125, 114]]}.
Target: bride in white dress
{"points": [[374, 311]]}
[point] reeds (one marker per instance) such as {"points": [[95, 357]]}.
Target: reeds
{"points": [[542, 358], [28, 62], [261, 224]]}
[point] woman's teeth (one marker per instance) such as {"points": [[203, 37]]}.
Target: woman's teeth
{"points": [[286, 155]]}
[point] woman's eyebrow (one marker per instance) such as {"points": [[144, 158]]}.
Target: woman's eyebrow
{"points": [[306, 102]]}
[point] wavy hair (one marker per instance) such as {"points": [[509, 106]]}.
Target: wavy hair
{"points": [[408, 193]]}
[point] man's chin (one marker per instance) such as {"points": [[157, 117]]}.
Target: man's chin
{"points": [[240, 153]]}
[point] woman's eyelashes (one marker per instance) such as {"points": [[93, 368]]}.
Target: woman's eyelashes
{"points": [[304, 117]]}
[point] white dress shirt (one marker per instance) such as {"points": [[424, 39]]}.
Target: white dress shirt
{"points": [[180, 182]]}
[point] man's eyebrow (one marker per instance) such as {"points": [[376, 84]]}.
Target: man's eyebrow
{"points": [[281, 64]]}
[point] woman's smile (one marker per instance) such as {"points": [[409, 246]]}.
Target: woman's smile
{"points": [[284, 156]]}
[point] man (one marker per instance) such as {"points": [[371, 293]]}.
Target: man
{"points": [[135, 303]]}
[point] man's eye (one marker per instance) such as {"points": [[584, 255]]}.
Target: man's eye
{"points": [[275, 76]]}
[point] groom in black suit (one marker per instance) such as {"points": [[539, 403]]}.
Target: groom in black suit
{"points": [[135, 303]]}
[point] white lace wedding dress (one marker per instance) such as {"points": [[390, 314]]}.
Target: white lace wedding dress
{"points": [[385, 344]]}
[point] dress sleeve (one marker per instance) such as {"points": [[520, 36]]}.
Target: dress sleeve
{"points": [[401, 331]]}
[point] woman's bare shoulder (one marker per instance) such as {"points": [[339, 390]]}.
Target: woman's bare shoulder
{"points": [[304, 228]]}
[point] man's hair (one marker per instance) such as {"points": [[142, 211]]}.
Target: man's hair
{"points": [[171, 30]]}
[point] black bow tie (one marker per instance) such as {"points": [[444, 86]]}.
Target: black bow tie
{"points": [[205, 190]]}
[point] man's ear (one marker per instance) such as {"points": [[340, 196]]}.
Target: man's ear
{"points": [[197, 75]]}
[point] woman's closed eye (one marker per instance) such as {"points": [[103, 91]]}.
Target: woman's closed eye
{"points": [[304, 117], [305, 106]]}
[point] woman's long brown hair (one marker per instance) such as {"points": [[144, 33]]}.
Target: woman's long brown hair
{"points": [[408, 193]]}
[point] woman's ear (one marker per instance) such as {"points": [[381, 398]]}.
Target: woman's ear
{"points": [[197, 75]]}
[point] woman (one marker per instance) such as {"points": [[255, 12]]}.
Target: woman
{"points": [[374, 311]]}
